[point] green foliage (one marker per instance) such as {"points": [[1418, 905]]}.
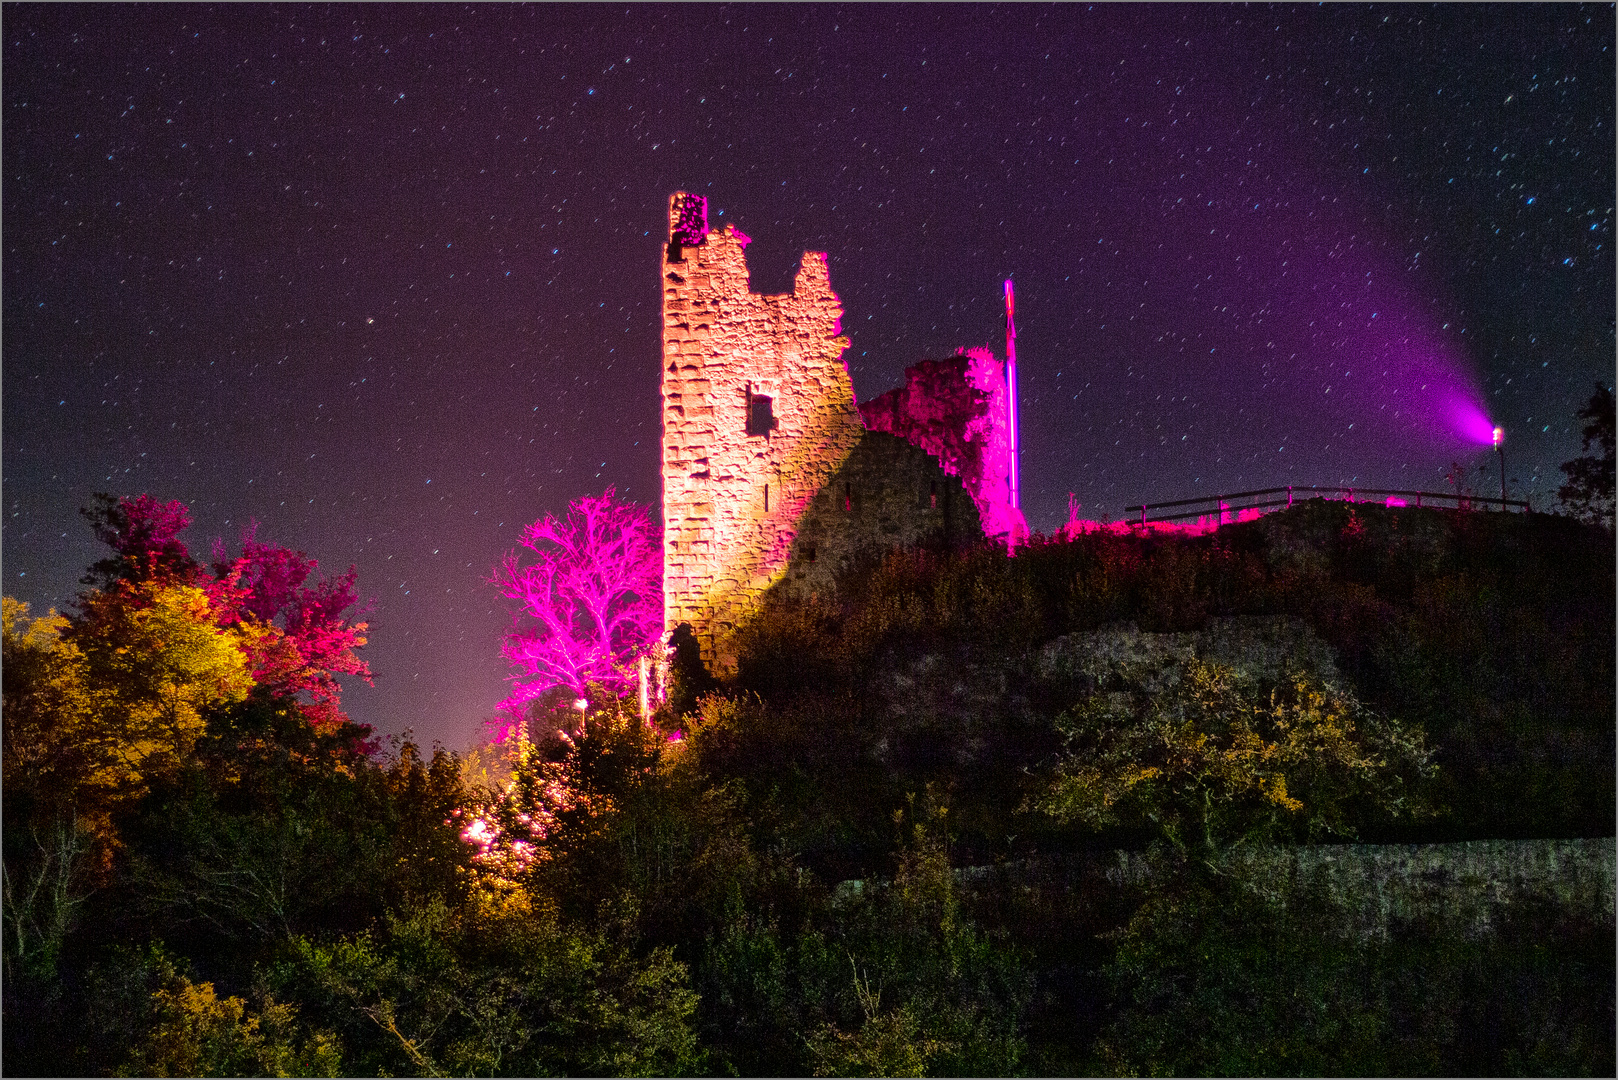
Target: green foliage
{"points": [[269, 829], [884, 976], [621, 812], [139, 1012], [278, 829], [498, 986], [1493, 632], [195, 1033], [767, 894], [925, 992], [45, 880], [1237, 974], [813, 784], [1209, 763], [485, 769]]}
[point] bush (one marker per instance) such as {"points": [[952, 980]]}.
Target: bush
{"points": [[1210, 763], [1230, 974]]}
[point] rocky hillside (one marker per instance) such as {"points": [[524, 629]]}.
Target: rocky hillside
{"points": [[1494, 633]]}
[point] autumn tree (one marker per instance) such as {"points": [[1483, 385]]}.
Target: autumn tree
{"points": [[297, 636], [95, 707], [1211, 763], [91, 719], [589, 602], [101, 705], [48, 868]]}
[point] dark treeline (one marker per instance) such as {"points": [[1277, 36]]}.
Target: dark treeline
{"points": [[881, 848]]}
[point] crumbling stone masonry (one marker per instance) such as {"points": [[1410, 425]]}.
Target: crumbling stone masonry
{"points": [[758, 413], [889, 493], [956, 410], [771, 479]]}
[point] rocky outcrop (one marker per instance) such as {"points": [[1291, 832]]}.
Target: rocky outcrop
{"points": [[1264, 651], [972, 704], [967, 686], [1462, 888]]}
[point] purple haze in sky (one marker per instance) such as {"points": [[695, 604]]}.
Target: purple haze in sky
{"points": [[1466, 419], [384, 277], [1308, 326]]}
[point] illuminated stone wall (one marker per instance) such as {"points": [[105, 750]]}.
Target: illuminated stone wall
{"points": [[955, 409], [888, 494], [739, 474]]}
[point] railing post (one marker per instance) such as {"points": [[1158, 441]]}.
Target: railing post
{"points": [[1289, 496]]}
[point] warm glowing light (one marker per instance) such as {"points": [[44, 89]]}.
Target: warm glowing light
{"points": [[1499, 435], [581, 704]]}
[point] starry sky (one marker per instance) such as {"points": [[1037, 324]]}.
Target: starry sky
{"points": [[385, 279]]}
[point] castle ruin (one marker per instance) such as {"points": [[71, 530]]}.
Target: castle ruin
{"points": [[771, 475]]}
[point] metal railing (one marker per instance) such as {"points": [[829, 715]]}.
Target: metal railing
{"points": [[1226, 504]]}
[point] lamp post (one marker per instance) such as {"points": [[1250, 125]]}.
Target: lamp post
{"points": [[581, 704], [1499, 448]]}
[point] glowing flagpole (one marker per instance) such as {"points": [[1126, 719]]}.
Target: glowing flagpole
{"points": [[1011, 396]]}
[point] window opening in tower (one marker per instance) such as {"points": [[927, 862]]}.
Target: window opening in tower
{"points": [[760, 414]]}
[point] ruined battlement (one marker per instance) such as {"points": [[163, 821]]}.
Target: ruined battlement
{"points": [[758, 413], [957, 410], [770, 474]]}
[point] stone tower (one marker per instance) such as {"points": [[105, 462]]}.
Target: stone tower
{"points": [[758, 414]]}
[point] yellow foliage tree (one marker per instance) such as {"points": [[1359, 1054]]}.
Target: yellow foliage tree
{"points": [[46, 694], [1210, 763], [98, 707], [199, 1034], [159, 658]]}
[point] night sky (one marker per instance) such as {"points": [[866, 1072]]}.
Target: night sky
{"points": [[385, 279]]}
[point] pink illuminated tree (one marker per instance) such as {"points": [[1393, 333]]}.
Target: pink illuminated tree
{"points": [[144, 536], [591, 602]]}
